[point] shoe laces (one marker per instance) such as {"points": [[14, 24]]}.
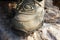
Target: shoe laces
{"points": [[21, 4]]}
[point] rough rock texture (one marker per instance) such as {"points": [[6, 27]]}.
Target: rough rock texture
{"points": [[52, 12], [49, 31]]}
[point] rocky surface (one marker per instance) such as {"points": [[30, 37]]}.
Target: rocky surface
{"points": [[49, 31], [52, 12]]}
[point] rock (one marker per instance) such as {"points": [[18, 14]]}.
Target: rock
{"points": [[52, 12]]}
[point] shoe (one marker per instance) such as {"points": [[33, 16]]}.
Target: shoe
{"points": [[29, 17]]}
